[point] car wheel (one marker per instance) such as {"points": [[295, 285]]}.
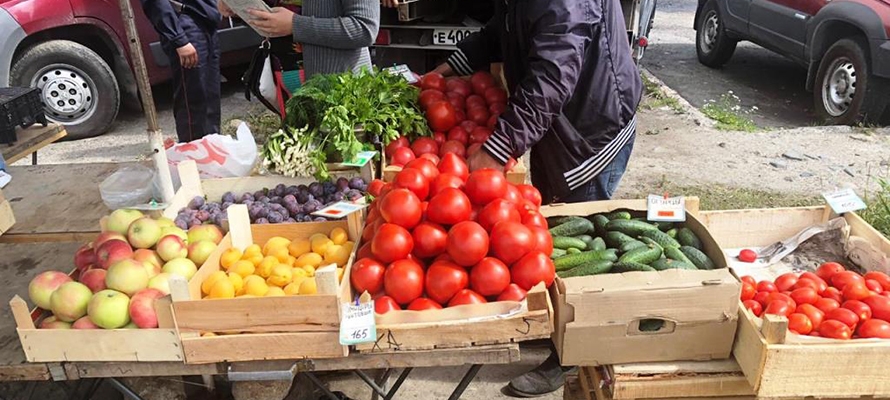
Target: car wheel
{"points": [[77, 87], [713, 46], [846, 92]]}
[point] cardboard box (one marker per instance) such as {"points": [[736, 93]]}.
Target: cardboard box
{"points": [[598, 317], [7, 219], [778, 363], [721, 379]]}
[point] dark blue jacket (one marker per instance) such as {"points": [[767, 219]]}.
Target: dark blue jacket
{"points": [[574, 87], [165, 18]]}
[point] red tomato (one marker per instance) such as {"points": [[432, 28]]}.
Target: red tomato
{"points": [[514, 197], [467, 243], [396, 144], [512, 293], [426, 166], [391, 243], [813, 277], [805, 296], [848, 317], [457, 103], [800, 324], [497, 109], [375, 186], [826, 304], [413, 180], [775, 296], [510, 241], [532, 218], [365, 251], [429, 96], [367, 275], [489, 277], [466, 296], [749, 279], [423, 303], [809, 279], [481, 81], [424, 145], [439, 137], [874, 328], [855, 291], [766, 286], [401, 207], [880, 307], [833, 293], [806, 283], [479, 135], [535, 267], [485, 185], [543, 240], [499, 210], [492, 121], [453, 146], [468, 126], [755, 307], [459, 134], [385, 304], [402, 156], [835, 330], [459, 86], [880, 277], [387, 187], [495, 95], [874, 285], [785, 281], [442, 116], [826, 271], [430, 240], [841, 279], [530, 193], [444, 279], [433, 80], [861, 309], [778, 307], [748, 291], [815, 315], [478, 115], [761, 297], [475, 101], [455, 165], [473, 148], [403, 281], [449, 207], [445, 181], [748, 256]]}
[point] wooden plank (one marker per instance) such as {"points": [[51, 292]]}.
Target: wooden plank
{"points": [[742, 228], [7, 217], [32, 139], [262, 314], [262, 346], [774, 328], [87, 370], [678, 367], [24, 372], [48, 345]]}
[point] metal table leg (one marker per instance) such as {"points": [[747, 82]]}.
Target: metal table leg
{"points": [[398, 384], [381, 381], [123, 389], [34, 158], [371, 383], [468, 377], [321, 386]]}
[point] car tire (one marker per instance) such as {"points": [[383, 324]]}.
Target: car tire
{"points": [[846, 93], [78, 88], [712, 44]]}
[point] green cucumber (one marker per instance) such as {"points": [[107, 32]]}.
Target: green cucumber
{"points": [[666, 263], [676, 254], [661, 238], [599, 223], [651, 242], [598, 244], [664, 226], [575, 226], [570, 261], [553, 222], [625, 215], [688, 238], [565, 243], [699, 259], [672, 233], [587, 239], [617, 239], [631, 227], [630, 267], [592, 268], [557, 253], [644, 255], [636, 244], [573, 250]]}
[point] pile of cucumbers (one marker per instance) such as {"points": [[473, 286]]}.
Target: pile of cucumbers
{"points": [[616, 242]]}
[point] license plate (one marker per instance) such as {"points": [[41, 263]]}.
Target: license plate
{"points": [[449, 37]]}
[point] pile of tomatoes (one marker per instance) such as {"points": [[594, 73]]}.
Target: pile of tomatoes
{"points": [[440, 236], [461, 113], [833, 302]]}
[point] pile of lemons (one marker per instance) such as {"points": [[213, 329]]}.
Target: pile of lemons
{"points": [[281, 267]]}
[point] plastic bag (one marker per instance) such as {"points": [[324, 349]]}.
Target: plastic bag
{"points": [[127, 187], [217, 156]]}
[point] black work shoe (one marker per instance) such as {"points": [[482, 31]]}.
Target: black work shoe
{"points": [[545, 378]]}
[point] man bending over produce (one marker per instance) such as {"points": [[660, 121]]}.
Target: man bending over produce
{"points": [[574, 95]]}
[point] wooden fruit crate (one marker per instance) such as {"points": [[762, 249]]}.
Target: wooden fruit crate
{"points": [[517, 176], [7, 219], [721, 379], [264, 328], [777, 363]]}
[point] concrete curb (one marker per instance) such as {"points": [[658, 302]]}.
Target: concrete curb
{"points": [[691, 112]]}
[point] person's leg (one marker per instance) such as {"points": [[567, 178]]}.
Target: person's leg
{"points": [[212, 85], [189, 93], [604, 185]]}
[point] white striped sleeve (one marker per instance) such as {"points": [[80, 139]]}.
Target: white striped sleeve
{"points": [[498, 145], [459, 62]]}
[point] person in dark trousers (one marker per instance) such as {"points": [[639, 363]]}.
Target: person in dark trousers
{"points": [[574, 91], [188, 31]]}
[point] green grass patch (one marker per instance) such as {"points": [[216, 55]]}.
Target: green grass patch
{"points": [[729, 114], [878, 212], [721, 197], [656, 97], [261, 121]]}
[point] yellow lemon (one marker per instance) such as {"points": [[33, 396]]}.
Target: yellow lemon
{"points": [[308, 286], [255, 259], [274, 243], [255, 287], [299, 247], [208, 283], [222, 289], [299, 272], [350, 245], [339, 236], [293, 288], [336, 254], [265, 267], [229, 258], [253, 278], [252, 250], [281, 275], [275, 291], [339, 274], [310, 270], [290, 261], [310, 259], [320, 243], [280, 253], [243, 268], [237, 282]]}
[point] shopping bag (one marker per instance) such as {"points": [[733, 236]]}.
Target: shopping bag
{"points": [[217, 156], [264, 80]]}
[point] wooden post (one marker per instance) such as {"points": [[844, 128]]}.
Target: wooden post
{"points": [[239, 226], [774, 329]]}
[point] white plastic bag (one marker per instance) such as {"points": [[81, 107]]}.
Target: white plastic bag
{"points": [[217, 156], [128, 187]]}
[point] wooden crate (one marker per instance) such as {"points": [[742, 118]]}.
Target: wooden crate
{"points": [[267, 328], [775, 362], [7, 219], [693, 379], [517, 176]]}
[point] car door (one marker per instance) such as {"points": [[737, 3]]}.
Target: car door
{"points": [[781, 25], [737, 13]]}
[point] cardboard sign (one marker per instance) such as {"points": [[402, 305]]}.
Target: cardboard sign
{"points": [[361, 159], [404, 71], [844, 201], [339, 210], [666, 209], [358, 324]]}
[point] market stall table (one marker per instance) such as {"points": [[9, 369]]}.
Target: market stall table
{"points": [[30, 140]]}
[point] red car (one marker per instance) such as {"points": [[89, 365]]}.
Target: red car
{"points": [[75, 52], [844, 44]]}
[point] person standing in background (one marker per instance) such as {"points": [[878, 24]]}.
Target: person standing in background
{"points": [[334, 34], [188, 31]]}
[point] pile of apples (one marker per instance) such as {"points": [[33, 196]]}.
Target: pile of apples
{"points": [[119, 276]]}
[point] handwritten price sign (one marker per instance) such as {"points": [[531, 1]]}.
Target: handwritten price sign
{"points": [[666, 209], [358, 324], [844, 201]]}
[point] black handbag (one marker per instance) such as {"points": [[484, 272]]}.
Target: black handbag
{"points": [[264, 81]]}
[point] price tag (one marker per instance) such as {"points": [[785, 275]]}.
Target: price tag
{"points": [[844, 201], [666, 209], [404, 71], [361, 159], [358, 324], [339, 210]]}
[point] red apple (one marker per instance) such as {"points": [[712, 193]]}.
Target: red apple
{"points": [[106, 236], [142, 308], [84, 257], [94, 279], [42, 287], [149, 256], [127, 276], [54, 323], [172, 247], [84, 323], [113, 251]]}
